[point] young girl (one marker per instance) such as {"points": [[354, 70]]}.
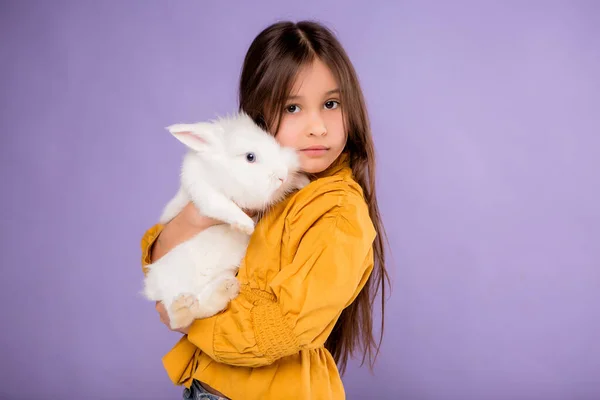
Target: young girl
{"points": [[316, 260]]}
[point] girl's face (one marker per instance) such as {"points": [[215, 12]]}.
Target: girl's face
{"points": [[312, 120]]}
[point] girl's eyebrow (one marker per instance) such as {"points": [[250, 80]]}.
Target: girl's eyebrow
{"points": [[330, 92]]}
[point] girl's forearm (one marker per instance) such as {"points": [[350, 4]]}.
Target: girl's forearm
{"points": [[172, 235]]}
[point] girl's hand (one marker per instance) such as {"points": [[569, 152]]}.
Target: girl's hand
{"points": [[164, 318]]}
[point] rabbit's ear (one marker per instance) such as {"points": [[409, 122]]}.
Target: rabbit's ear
{"points": [[199, 137]]}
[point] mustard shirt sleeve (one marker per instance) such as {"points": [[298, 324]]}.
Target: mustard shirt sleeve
{"points": [[330, 267], [146, 244]]}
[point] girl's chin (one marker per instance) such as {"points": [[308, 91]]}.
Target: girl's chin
{"points": [[314, 166]]}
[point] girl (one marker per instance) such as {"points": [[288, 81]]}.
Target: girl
{"points": [[316, 260]]}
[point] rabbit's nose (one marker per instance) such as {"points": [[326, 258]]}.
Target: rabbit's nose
{"points": [[281, 176]]}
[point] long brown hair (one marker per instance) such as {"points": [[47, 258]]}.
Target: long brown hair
{"points": [[270, 67]]}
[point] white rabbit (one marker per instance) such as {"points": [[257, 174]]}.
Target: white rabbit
{"points": [[232, 164]]}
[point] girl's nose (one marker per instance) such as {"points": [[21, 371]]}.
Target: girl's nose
{"points": [[317, 126]]}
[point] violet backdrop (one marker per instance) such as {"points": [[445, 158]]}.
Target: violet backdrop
{"points": [[486, 117]]}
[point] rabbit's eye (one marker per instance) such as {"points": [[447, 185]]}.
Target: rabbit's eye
{"points": [[250, 157]]}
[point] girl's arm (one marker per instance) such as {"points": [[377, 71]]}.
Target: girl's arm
{"points": [[160, 239], [299, 309]]}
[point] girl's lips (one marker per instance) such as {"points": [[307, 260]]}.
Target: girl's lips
{"points": [[315, 151], [315, 148]]}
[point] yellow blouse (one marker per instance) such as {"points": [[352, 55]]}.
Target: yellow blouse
{"points": [[307, 260]]}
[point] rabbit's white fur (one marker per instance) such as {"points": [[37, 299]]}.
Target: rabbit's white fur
{"points": [[197, 278]]}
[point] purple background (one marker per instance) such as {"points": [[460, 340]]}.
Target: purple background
{"points": [[487, 123]]}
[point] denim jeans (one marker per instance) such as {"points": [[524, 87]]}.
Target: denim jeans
{"points": [[197, 392]]}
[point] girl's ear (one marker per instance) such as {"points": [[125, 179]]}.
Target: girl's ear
{"points": [[199, 137]]}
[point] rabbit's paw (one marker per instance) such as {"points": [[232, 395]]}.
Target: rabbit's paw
{"points": [[247, 226], [230, 288], [183, 311]]}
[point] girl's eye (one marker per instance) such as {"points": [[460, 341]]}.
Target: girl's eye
{"points": [[292, 109], [332, 104], [250, 157]]}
